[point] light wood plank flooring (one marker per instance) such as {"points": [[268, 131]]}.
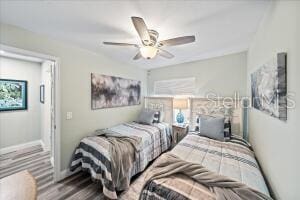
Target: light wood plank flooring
{"points": [[37, 161]]}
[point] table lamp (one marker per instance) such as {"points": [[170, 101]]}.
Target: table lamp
{"points": [[180, 104]]}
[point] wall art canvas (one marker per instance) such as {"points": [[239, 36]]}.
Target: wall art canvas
{"points": [[269, 87], [110, 91], [13, 95]]}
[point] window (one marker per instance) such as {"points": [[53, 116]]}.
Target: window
{"points": [[183, 86]]}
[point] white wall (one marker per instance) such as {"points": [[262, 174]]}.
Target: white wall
{"points": [[222, 75], [276, 143], [76, 67], [17, 127], [46, 106]]}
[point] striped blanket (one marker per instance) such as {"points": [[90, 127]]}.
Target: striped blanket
{"points": [[232, 159], [94, 153]]}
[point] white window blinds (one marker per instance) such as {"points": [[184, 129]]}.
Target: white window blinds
{"points": [[183, 86]]}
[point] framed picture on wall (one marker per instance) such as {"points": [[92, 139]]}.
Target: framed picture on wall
{"points": [[42, 93], [269, 87], [13, 95], [111, 91]]}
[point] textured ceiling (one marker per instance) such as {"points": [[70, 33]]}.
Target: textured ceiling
{"points": [[220, 27]]}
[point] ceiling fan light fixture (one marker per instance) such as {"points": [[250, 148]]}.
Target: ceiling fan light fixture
{"points": [[151, 46], [148, 52]]}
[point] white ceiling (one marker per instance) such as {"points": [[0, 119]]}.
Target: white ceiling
{"points": [[220, 27]]}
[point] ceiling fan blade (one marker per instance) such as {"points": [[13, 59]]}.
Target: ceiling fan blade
{"points": [[141, 28], [120, 44], [165, 54], [177, 41], [137, 56]]}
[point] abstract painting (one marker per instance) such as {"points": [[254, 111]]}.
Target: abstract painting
{"points": [[110, 91], [269, 87], [13, 95]]}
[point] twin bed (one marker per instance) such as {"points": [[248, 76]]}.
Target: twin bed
{"points": [[118, 153], [196, 168], [229, 165]]}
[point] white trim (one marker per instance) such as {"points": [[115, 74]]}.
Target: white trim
{"points": [[66, 173], [52, 161], [21, 57], [43, 145], [20, 146], [57, 130], [24, 52], [45, 148]]}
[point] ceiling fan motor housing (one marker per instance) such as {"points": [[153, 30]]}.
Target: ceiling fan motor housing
{"points": [[153, 38]]}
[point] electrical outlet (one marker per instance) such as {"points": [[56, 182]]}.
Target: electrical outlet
{"points": [[69, 115]]}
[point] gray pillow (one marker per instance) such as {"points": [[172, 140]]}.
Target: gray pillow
{"points": [[146, 116], [212, 127]]}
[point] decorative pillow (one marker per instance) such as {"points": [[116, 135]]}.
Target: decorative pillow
{"points": [[146, 116], [227, 127], [156, 117], [212, 127]]}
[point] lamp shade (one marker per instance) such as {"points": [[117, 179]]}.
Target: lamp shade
{"points": [[180, 103]]}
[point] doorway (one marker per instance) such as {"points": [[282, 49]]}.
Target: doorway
{"points": [[49, 101]]}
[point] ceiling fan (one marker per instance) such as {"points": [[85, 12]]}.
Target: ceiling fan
{"points": [[151, 46]]}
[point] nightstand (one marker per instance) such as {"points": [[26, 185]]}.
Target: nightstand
{"points": [[179, 131]]}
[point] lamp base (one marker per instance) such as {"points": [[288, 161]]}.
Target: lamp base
{"points": [[180, 118]]}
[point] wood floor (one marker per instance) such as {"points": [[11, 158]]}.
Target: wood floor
{"points": [[37, 161]]}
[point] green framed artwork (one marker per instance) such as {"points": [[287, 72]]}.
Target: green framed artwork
{"points": [[13, 95]]}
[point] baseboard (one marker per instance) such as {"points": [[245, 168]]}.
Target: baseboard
{"points": [[66, 173], [43, 144], [46, 148], [20, 146]]}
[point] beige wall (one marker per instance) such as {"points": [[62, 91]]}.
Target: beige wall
{"points": [[276, 143], [76, 68], [223, 75], [22, 126]]}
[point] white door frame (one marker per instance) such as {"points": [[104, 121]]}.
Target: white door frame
{"points": [[56, 125]]}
